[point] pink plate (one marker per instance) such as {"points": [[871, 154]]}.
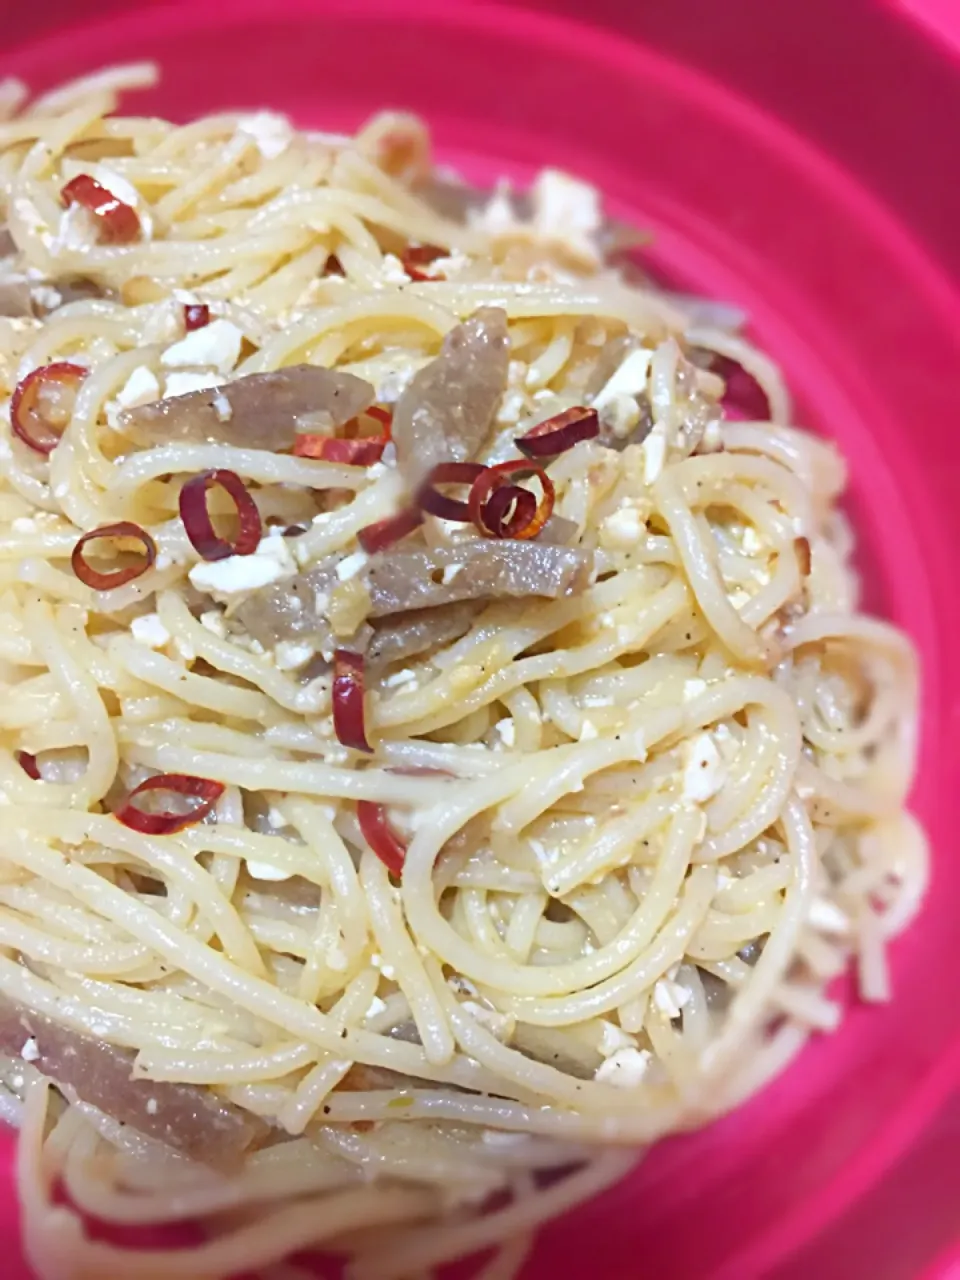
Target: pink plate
{"points": [[867, 325]]}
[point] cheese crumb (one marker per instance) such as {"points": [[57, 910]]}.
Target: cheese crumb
{"points": [[351, 565], [149, 630], [213, 621], [625, 1068], [614, 1039], [703, 772], [30, 1052], [152, 1106], [182, 383], [628, 379], [622, 530], [266, 871], [588, 731], [506, 730], [290, 656], [271, 132], [215, 346], [141, 387], [238, 574], [670, 997], [377, 1006], [654, 451]]}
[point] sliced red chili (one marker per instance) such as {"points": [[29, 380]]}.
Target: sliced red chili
{"points": [[164, 822], [440, 504], [558, 434], [362, 452], [496, 478], [196, 315], [107, 580], [31, 419], [197, 522], [384, 533], [509, 510], [28, 763], [418, 256], [380, 835], [117, 222], [349, 693]]}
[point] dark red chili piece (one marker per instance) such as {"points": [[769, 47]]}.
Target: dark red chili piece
{"points": [[106, 581]]}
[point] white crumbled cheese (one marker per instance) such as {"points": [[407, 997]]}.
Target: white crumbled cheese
{"points": [[213, 621], [450, 572], [351, 565], [828, 917], [271, 132], [152, 1106], [77, 230], [311, 697], [451, 265], [499, 1024], [620, 415], [237, 574], [149, 630], [625, 1068], [23, 524], [654, 450], [30, 1052], [290, 656], [265, 870], [387, 970], [181, 383], [391, 270], [566, 209], [670, 997], [275, 818], [628, 379], [393, 384], [693, 688], [506, 731], [497, 215], [377, 1007], [215, 346], [511, 408], [140, 388], [623, 529], [588, 731], [222, 407], [44, 295], [406, 676], [704, 772], [614, 1039]]}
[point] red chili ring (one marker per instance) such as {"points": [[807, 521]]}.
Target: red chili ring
{"points": [[361, 452], [28, 763], [118, 222], [198, 525], [498, 505], [380, 835], [384, 533], [495, 478], [439, 504], [349, 690], [558, 434], [196, 315], [23, 404], [204, 790], [115, 577]]}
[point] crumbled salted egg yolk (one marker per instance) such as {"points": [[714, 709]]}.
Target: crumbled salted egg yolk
{"points": [[703, 770], [271, 132], [149, 630], [215, 346], [624, 1068], [237, 574], [669, 997], [566, 209]]}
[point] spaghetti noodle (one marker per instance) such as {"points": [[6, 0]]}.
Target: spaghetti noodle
{"points": [[363, 867]]}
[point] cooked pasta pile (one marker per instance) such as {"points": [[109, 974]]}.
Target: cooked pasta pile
{"points": [[637, 765]]}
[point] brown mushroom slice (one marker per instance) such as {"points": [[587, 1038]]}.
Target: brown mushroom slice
{"points": [[446, 412], [190, 1119], [485, 569], [258, 411], [16, 298], [408, 634], [403, 582]]}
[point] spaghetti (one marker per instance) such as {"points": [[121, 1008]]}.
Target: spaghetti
{"points": [[468, 850]]}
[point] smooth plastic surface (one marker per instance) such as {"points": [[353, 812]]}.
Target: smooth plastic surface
{"points": [[868, 330]]}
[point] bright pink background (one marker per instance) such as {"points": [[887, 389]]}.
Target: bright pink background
{"points": [[800, 163]]}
